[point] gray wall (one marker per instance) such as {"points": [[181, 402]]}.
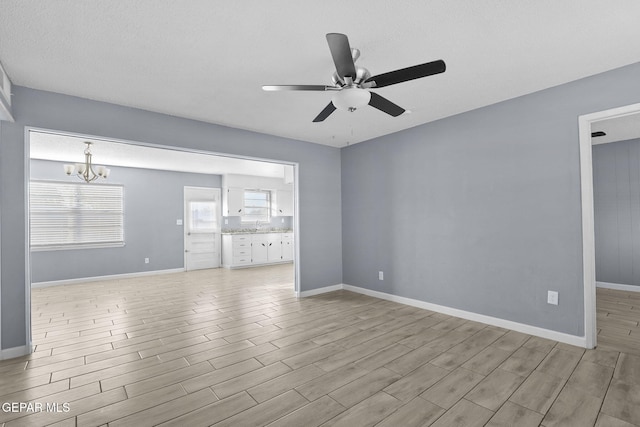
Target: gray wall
{"points": [[153, 201], [616, 197], [319, 182], [480, 211]]}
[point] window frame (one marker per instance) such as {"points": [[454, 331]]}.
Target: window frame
{"points": [[243, 217], [76, 218]]}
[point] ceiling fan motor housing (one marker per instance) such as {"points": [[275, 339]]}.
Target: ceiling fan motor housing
{"points": [[362, 74]]}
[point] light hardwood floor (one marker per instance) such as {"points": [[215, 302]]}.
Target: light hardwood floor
{"points": [[236, 348]]}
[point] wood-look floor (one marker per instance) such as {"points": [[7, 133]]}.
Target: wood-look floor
{"points": [[236, 348]]}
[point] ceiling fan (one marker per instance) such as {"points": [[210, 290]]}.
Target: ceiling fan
{"points": [[352, 83]]}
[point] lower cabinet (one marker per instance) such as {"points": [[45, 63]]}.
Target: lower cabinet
{"points": [[259, 249], [246, 250], [274, 247], [236, 250], [287, 246]]}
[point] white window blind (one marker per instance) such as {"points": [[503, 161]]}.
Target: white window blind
{"points": [[67, 215], [257, 206]]}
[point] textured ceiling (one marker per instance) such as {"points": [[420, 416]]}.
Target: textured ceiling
{"points": [[207, 60]]}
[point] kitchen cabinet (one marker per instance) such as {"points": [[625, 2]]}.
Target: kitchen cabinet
{"points": [[259, 249], [232, 201], [247, 250], [287, 246], [274, 247], [236, 250], [284, 203]]}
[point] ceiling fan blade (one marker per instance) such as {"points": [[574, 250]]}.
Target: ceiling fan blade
{"points": [[384, 105], [409, 73], [272, 88], [330, 108], [341, 53]]}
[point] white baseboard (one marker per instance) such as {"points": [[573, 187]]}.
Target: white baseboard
{"points": [[101, 278], [319, 291], [10, 353], [618, 286], [494, 321]]}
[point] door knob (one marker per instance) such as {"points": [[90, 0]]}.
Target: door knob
{"points": [[186, 250]]}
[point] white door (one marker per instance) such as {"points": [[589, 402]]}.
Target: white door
{"points": [[201, 228]]}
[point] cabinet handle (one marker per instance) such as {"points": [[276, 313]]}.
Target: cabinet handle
{"points": [[270, 244], [186, 250], [239, 210], [263, 244]]}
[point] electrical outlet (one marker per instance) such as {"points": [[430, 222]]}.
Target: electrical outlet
{"points": [[226, 221], [552, 297], [146, 260], [380, 275], [178, 222], [282, 220]]}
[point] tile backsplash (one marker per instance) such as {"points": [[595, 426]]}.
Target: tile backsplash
{"points": [[234, 223]]}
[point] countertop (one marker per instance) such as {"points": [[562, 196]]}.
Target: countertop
{"points": [[257, 230]]}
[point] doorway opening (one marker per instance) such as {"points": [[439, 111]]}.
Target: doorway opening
{"points": [[166, 211], [588, 124]]}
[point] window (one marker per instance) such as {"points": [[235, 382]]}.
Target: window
{"points": [[202, 217], [257, 206], [70, 215]]}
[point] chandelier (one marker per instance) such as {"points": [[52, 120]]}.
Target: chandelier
{"points": [[85, 170]]}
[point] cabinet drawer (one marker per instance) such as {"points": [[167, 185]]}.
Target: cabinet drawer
{"points": [[240, 252], [241, 245], [241, 238], [241, 259]]}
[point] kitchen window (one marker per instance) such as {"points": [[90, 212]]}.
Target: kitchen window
{"points": [[67, 215], [257, 206]]}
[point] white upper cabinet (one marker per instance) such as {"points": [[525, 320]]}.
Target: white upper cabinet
{"points": [[233, 201], [284, 203]]}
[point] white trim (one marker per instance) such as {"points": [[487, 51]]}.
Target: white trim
{"points": [[5, 94], [10, 353], [489, 320], [5, 86], [27, 242], [468, 315], [5, 113], [588, 234], [618, 286], [296, 229], [319, 291], [101, 278]]}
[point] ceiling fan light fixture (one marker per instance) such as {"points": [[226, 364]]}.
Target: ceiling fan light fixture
{"points": [[350, 99]]}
